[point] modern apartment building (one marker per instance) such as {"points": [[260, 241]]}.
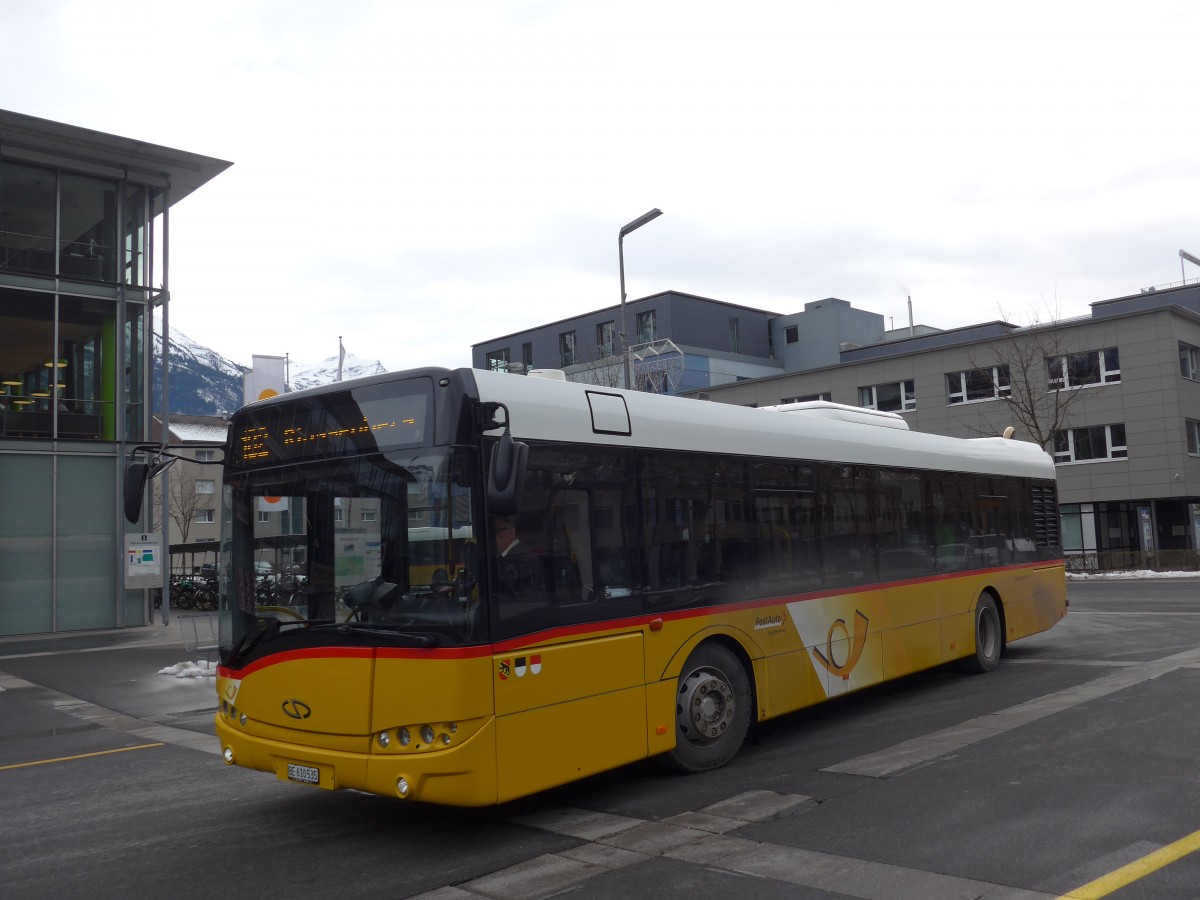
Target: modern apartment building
{"points": [[84, 235], [677, 342]]}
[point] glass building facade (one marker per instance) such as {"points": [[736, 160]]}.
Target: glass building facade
{"points": [[83, 236]]}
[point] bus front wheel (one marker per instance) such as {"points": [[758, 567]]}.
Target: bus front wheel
{"points": [[989, 636], [712, 710]]}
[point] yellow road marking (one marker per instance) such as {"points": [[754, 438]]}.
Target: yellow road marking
{"points": [[1139, 868], [43, 762]]}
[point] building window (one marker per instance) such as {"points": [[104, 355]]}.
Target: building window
{"points": [[566, 349], [604, 339], [1083, 369], [1090, 444], [1192, 427], [29, 218], [206, 455], [527, 355], [55, 387], [735, 335], [978, 384], [497, 360], [1189, 362], [264, 516], [368, 515], [791, 334], [1071, 526], [205, 486], [337, 514], [897, 397], [204, 517], [647, 329], [808, 398]]}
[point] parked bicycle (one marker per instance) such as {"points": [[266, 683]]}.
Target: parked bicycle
{"points": [[205, 595], [183, 591], [284, 590]]}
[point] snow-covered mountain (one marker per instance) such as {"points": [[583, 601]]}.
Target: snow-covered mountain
{"points": [[205, 383], [306, 375], [201, 382]]}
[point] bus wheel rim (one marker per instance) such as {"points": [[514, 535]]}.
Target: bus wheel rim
{"points": [[706, 707]]}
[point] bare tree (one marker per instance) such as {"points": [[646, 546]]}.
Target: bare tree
{"points": [[184, 500], [1026, 368]]}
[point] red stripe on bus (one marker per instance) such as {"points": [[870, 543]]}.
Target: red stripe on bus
{"points": [[584, 629]]}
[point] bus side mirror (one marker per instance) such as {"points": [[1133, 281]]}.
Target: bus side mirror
{"points": [[506, 472], [136, 474]]}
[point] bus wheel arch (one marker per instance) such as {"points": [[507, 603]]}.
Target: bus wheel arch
{"points": [[714, 707], [987, 632]]}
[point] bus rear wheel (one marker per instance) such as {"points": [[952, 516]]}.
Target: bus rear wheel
{"points": [[989, 636], [712, 710]]}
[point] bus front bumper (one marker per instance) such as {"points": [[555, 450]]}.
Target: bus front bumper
{"points": [[462, 775]]}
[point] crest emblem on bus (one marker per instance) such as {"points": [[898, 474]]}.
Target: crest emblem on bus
{"points": [[856, 644], [296, 709]]}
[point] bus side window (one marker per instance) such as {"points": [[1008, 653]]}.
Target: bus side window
{"points": [[569, 548]]}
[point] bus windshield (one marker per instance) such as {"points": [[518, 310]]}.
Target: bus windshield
{"points": [[381, 544]]}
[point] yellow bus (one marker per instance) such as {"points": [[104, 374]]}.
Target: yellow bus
{"points": [[652, 576]]}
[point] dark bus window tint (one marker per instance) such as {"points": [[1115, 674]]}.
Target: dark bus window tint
{"points": [[697, 534], [950, 513], [785, 514], [846, 524], [902, 532]]}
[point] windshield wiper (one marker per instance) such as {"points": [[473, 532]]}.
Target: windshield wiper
{"points": [[380, 630], [251, 639]]}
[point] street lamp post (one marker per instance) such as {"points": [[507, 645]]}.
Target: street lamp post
{"points": [[632, 226]]}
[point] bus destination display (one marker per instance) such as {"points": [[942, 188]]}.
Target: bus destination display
{"points": [[329, 426]]}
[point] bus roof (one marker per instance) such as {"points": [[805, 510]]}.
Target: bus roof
{"points": [[542, 409], [553, 410]]}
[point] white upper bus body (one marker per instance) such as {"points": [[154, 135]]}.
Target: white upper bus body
{"points": [[551, 410]]}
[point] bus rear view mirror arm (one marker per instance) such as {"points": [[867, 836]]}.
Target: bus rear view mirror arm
{"points": [[139, 471]]}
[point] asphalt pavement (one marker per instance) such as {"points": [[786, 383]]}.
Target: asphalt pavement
{"points": [[112, 677], [882, 797]]}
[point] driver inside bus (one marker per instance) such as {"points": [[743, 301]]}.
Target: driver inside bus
{"points": [[518, 568]]}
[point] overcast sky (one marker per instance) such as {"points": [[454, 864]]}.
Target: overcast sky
{"points": [[422, 176]]}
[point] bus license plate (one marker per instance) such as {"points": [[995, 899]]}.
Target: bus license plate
{"points": [[306, 774]]}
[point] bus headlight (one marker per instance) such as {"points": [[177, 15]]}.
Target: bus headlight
{"points": [[404, 736], [384, 739], [402, 786], [227, 755], [427, 734]]}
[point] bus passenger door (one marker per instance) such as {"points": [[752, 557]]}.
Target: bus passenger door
{"points": [[565, 711], [570, 694]]}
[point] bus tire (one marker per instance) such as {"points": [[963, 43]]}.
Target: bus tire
{"points": [[989, 636], [712, 710]]}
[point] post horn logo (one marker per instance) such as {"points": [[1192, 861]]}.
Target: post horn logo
{"points": [[296, 709], [857, 643]]}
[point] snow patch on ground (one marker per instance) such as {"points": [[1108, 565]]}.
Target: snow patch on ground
{"points": [[1142, 573], [200, 669]]}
